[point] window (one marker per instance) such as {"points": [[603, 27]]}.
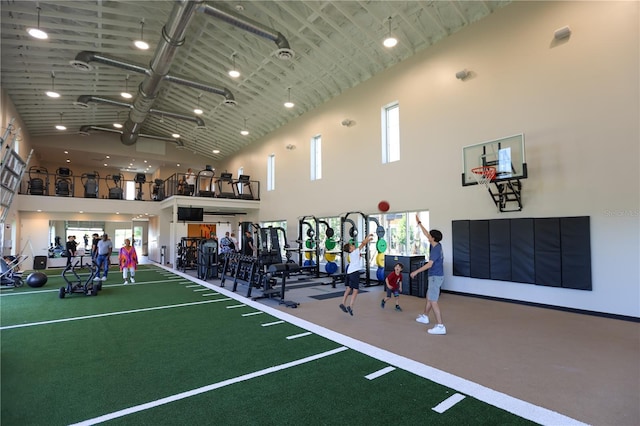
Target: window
{"points": [[271, 172], [316, 157], [130, 190], [391, 133]]}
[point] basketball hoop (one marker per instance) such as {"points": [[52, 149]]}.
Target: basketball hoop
{"points": [[484, 175]]}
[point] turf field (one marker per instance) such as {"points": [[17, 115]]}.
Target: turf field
{"points": [[168, 350]]}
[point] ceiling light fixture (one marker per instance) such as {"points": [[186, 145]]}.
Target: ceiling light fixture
{"points": [[52, 93], [176, 135], [216, 151], [61, 126], [141, 44], [244, 131], [197, 110], [117, 124], [233, 72], [390, 41], [126, 93], [288, 103], [37, 32]]}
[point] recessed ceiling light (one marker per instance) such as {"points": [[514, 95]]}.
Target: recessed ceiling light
{"points": [[216, 151], [66, 152], [108, 156], [68, 161]]}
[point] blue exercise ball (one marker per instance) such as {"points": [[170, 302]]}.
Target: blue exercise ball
{"points": [[37, 279], [380, 274]]}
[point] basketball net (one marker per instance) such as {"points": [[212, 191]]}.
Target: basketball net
{"points": [[484, 175]]}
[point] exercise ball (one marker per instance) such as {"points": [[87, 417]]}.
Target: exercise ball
{"points": [[37, 279], [380, 274]]}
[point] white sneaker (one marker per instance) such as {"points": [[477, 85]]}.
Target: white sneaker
{"points": [[103, 279], [423, 319], [96, 278], [132, 280], [438, 329], [125, 282]]}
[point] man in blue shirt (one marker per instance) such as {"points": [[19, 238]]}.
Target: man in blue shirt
{"points": [[436, 278]]}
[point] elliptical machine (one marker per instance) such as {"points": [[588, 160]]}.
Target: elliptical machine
{"points": [[38, 181], [90, 184], [115, 188], [140, 179]]}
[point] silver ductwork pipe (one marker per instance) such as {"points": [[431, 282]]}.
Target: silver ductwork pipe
{"points": [[84, 130], [284, 50], [83, 62], [172, 38], [86, 99]]}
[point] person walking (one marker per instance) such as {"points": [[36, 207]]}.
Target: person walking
{"points": [[435, 280], [393, 284], [71, 248], [94, 246], [352, 279], [128, 260], [105, 247]]}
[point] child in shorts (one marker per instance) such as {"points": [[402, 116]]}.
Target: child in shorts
{"points": [[393, 284]]}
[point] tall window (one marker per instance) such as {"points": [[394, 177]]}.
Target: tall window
{"points": [[271, 172], [316, 157], [391, 133]]}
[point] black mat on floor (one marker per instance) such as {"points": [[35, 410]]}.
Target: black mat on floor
{"points": [[332, 295]]}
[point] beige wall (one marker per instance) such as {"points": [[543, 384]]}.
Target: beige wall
{"points": [[576, 102]]}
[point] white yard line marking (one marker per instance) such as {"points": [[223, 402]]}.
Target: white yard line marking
{"points": [[103, 286], [501, 400], [212, 294], [236, 306], [110, 314], [448, 403], [252, 313], [207, 388], [269, 324], [295, 336], [196, 285], [379, 373]]}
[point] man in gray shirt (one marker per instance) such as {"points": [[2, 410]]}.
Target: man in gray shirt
{"points": [[105, 247]]}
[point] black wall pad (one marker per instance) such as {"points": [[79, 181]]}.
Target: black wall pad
{"points": [[522, 260], [576, 252], [500, 249], [460, 241], [479, 249], [547, 252]]}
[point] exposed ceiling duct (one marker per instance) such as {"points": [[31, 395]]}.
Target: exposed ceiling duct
{"points": [[84, 130], [173, 37], [284, 50], [86, 99], [83, 61]]}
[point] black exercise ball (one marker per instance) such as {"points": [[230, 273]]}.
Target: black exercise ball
{"points": [[37, 279]]}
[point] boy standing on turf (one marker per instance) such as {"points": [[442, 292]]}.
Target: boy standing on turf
{"points": [[393, 284], [436, 278], [352, 278]]}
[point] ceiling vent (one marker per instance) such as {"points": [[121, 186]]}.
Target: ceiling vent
{"points": [[80, 65]]}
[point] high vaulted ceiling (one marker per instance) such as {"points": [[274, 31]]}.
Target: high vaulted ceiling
{"points": [[336, 45]]}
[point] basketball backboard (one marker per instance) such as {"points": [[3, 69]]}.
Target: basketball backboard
{"points": [[506, 155]]}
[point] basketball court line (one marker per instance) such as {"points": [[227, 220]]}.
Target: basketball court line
{"points": [[203, 389], [110, 314], [501, 400]]}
